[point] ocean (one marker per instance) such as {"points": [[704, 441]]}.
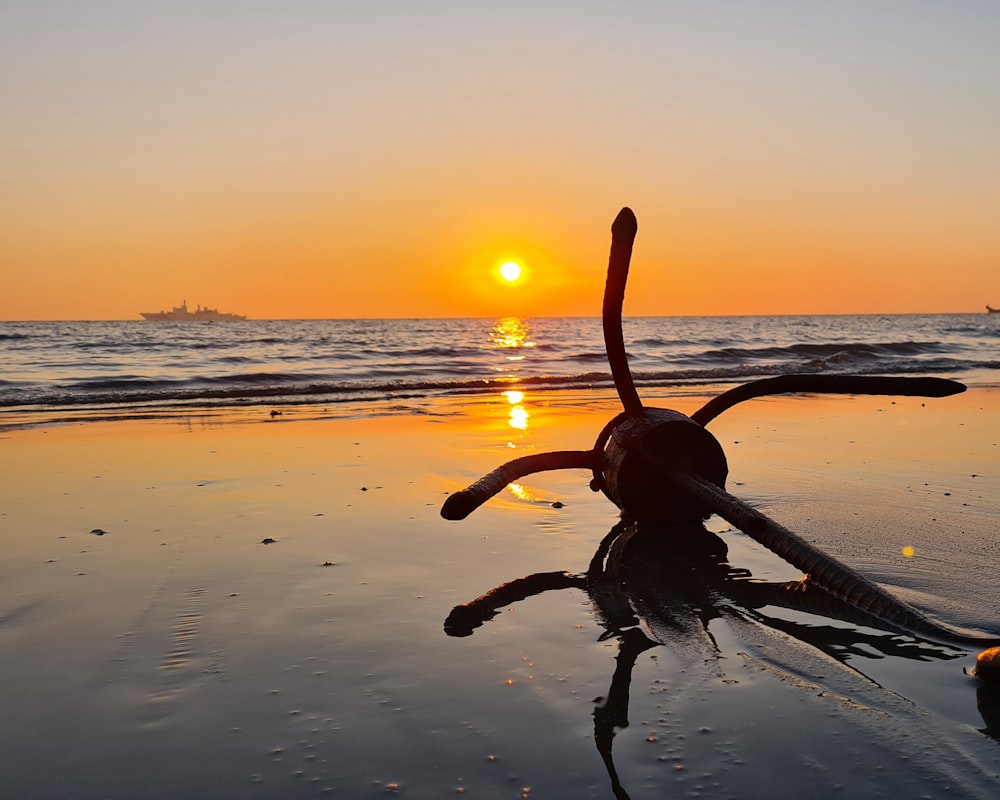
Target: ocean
{"points": [[53, 369]]}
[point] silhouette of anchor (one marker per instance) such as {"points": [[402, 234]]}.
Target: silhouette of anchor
{"points": [[648, 590], [664, 469]]}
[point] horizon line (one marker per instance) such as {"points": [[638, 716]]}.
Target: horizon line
{"points": [[502, 316]]}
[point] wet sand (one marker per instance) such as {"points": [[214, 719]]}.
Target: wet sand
{"points": [[178, 655]]}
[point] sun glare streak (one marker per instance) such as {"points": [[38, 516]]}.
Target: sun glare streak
{"points": [[520, 491]]}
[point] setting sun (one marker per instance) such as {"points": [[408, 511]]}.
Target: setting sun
{"points": [[510, 271]]}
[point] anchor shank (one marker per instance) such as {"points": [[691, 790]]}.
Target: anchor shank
{"points": [[827, 572], [623, 231]]}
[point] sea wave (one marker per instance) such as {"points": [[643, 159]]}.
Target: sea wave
{"points": [[69, 365], [267, 387]]}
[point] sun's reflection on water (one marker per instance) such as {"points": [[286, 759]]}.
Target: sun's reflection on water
{"points": [[511, 333]]}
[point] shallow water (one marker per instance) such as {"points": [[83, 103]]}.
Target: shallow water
{"points": [[52, 369], [177, 655]]}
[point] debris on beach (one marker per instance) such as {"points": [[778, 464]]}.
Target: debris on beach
{"points": [[987, 667], [268, 540], [98, 532]]}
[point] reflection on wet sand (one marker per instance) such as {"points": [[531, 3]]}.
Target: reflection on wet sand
{"points": [[646, 593], [518, 415], [513, 334]]}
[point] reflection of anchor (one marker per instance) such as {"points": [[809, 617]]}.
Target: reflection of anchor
{"points": [[674, 586], [660, 466]]}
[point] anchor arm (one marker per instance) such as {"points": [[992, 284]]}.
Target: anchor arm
{"points": [[827, 384], [462, 503]]}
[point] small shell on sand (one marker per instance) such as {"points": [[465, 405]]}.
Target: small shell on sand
{"points": [[988, 665]]}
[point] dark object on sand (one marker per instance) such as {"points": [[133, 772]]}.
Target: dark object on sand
{"points": [[988, 666], [663, 468]]}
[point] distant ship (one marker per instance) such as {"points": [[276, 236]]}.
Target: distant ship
{"points": [[181, 314]]}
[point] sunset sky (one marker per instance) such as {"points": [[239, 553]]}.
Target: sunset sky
{"points": [[311, 158]]}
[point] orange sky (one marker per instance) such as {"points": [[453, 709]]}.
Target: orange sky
{"points": [[306, 159]]}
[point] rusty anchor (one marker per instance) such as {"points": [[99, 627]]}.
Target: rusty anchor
{"points": [[661, 467]]}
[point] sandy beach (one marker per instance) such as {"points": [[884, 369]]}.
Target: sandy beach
{"points": [[235, 604]]}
